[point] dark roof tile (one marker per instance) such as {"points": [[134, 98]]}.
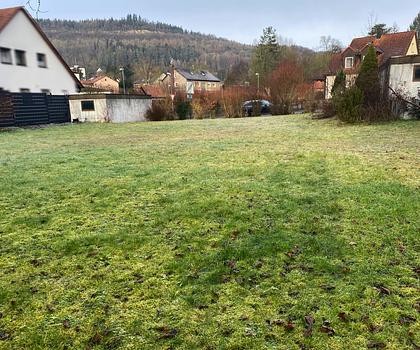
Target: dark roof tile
{"points": [[198, 76]]}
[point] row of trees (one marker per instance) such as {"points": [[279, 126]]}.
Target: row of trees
{"points": [[144, 47]]}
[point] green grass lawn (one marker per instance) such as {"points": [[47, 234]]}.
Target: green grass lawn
{"points": [[265, 233]]}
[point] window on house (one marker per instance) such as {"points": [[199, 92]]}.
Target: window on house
{"points": [[349, 62], [42, 60], [416, 75], [25, 90], [20, 57], [88, 105], [6, 55]]}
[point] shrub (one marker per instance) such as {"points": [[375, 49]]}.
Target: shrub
{"points": [[205, 105], [312, 102], [328, 110], [286, 84], [339, 84], [281, 109], [161, 110], [349, 105], [414, 110], [232, 102], [382, 112], [256, 109], [182, 108], [363, 101], [368, 80]]}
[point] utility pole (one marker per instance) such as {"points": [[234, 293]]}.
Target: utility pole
{"points": [[258, 83], [123, 79]]}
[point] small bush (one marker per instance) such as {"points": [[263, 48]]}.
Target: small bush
{"points": [[256, 109], [182, 108], [348, 105], [281, 109], [311, 105], [161, 110], [414, 111], [328, 110], [205, 105], [380, 112], [232, 102]]}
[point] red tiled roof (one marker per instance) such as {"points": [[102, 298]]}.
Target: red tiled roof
{"points": [[359, 44], [6, 16], [154, 90], [396, 44], [93, 80], [389, 45], [318, 85]]}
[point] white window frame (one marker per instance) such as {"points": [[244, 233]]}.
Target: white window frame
{"points": [[346, 60]]}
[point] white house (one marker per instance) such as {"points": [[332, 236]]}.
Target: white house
{"points": [[402, 74], [28, 60]]}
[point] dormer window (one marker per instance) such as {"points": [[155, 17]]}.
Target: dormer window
{"points": [[349, 62]]}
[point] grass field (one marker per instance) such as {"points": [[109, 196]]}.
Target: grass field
{"points": [[266, 233]]}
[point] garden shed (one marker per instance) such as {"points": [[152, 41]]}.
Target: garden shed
{"points": [[109, 108]]}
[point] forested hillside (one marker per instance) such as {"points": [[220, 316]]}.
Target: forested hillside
{"points": [[144, 47]]}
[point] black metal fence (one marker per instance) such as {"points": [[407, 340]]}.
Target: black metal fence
{"points": [[23, 109]]}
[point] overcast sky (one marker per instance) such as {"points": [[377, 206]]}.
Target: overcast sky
{"points": [[304, 21]]}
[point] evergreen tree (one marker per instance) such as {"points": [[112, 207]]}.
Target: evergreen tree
{"points": [[368, 79], [266, 54], [380, 29], [339, 84], [416, 25]]}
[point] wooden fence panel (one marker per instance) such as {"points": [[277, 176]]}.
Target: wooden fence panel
{"points": [[7, 117], [58, 109], [30, 109], [23, 109]]}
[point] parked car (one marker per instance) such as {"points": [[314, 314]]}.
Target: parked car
{"points": [[262, 106]]}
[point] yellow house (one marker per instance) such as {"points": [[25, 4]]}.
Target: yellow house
{"points": [[103, 83], [189, 82]]}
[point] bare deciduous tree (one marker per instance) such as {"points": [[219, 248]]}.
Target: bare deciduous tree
{"points": [[284, 85], [34, 6], [330, 45]]}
